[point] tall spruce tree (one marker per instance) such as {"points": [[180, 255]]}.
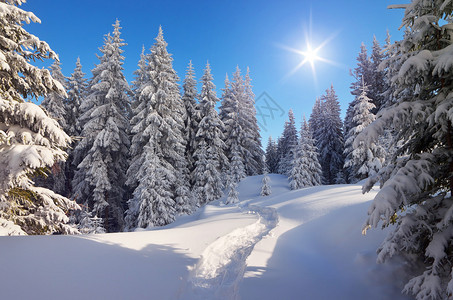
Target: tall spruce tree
{"points": [[30, 140], [141, 76], [361, 72], [287, 145], [233, 133], [306, 170], [361, 159], [101, 174], [377, 83], [316, 118], [271, 155], [53, 103], [241, 91], [330, 140], [157, 204], [420, 181], [77, 89], [209, 155], [192, 116], [252, 131], [157, 128]]}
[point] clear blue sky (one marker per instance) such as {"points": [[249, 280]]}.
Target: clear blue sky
{"points": [[228, 33]]}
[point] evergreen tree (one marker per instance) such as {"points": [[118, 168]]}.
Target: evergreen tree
{"points": [[266, 188], [30, 140], [243, 100], [236, 169], [89, 224], [156, 205], [53, 103], [77, 89], [157, 128], [306, 170], [209, 155], [363, 160], [100, 177], [271, 159], [141, 76], [252, 137], [388, 140], [330, 138], [233, 134], [369, 73], [192, 116], [377, 84], [315, 119], [361, 72], [232, 196], [287, 145], [419, 182]]}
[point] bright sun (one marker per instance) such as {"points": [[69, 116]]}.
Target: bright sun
{"points": [[310, 55]]}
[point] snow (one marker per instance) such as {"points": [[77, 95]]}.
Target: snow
{"points": [[303, 244]]}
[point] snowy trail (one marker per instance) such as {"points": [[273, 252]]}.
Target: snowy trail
{"points": [[219, 271]]}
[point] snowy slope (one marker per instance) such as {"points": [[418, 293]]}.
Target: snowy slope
{"points": [[304, 244]]}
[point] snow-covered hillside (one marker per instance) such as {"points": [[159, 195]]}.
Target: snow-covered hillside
{"points": [[303, 244]]}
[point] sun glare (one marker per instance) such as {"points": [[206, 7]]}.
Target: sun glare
{"points": [[311, 54]]}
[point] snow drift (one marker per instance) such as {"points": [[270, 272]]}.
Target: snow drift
{"points": [[303, 244]]}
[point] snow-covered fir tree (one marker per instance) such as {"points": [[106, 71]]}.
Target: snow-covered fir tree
{"points": [[77, 88], [315, 121], [388, 140], [367, 72], [209, 155], [229, 115], [157, 204], [89, 224], [361, 72], [242, 94], [192, 117], [287, 145], [30, 140], [141, 76], [377, 83], [103, 151], [53, 103], [265, 188], [361, 159], [158, 146], [419, 182], [329, 138], [232, 191], [236, 166], [233, 134], [271, 160], [306, 170], [252, 137]]}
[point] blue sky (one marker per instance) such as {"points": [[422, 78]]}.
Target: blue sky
{"points": [[228, 34]]}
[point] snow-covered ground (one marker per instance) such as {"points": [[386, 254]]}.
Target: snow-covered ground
{"points": [[304, 244]]}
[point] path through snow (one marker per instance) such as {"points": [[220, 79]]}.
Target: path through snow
{"points": [[219, 271]]}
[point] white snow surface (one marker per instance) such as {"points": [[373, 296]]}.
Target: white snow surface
{"points": [[302, 244]]}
